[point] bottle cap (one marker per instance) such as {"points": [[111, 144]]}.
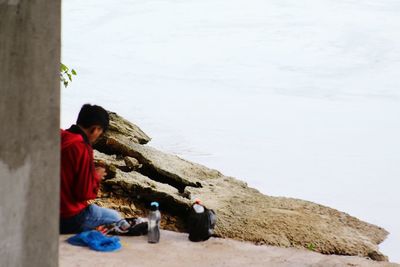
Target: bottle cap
{"points": [[198, 201], [154, 205]]}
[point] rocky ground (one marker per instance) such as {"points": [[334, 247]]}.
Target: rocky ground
{"points": [[139, 174]]}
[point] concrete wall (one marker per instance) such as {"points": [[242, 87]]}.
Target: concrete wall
{"points": [[29, 132]]}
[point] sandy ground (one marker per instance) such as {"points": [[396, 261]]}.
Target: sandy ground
{"points": [[176, 250]]}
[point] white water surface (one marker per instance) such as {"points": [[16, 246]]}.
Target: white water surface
{"points": [[298, 98]]}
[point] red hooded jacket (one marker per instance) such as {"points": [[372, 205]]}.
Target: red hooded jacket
{"points": [[79, 180]]}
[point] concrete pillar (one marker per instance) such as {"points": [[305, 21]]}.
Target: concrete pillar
{"points": [[29, 132]]}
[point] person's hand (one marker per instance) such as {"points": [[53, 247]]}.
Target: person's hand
{"points": [[101, 172]]}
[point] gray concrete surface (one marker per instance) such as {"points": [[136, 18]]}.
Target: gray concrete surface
{"points": [[175, 250], [29, 132]]}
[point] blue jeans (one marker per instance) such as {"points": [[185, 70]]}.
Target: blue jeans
{"points": [[94, 216], [91, 217]]}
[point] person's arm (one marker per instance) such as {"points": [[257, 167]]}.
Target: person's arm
{"points": [[86, 184]]}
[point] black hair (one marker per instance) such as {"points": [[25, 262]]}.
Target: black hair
{"points": [[91, 115]]}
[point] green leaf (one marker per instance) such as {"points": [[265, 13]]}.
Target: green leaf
{"points": [[66, 74], [63, 67], [311, 246]]}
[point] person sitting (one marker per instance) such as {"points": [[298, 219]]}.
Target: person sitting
{"points": [[80, 179]]}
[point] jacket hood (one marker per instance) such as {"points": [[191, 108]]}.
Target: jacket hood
{"points": [[68, 138]]}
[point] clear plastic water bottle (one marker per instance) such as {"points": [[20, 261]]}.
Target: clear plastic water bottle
{"points": [[154, 223]]}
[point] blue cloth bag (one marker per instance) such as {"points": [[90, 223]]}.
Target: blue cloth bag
{"points": [[96, 241]]}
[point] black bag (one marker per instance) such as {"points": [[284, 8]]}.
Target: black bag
{"points": [[201, 225]]}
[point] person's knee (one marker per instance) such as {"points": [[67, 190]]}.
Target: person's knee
{"points": [[104, 215], [114, 214], [110, 215]]}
